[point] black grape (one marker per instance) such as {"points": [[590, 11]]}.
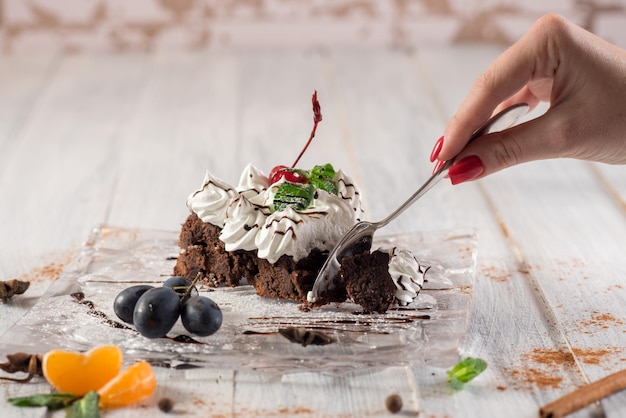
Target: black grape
{"points": [[201, 316], [156, 312], [125, 301], [180, 285]]}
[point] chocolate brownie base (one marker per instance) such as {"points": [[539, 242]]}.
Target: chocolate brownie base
{"points": [[287, 279], [204, 252], [367, 281]]}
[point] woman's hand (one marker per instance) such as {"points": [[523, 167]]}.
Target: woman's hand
{"points": [[582, 76]]}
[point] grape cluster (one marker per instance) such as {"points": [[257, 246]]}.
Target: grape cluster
{"points": [[155, 310]]}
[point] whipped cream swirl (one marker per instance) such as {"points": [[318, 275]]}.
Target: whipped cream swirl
{"points": [[406, 273], [211, 200], [244, 214], [252, 182], [242, 223], [296, 233]]}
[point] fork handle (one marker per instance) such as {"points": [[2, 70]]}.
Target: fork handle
{"points": [[434, 179], [502, 120]]}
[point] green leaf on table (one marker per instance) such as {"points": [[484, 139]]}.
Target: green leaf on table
{"points": [[52, 401], [86, 407], [465, 370]]}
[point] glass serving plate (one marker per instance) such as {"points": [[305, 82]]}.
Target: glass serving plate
{"points": [[431, 330]]}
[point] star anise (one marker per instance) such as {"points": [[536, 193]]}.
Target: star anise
{"points": [[22, 363], [12, 287]]}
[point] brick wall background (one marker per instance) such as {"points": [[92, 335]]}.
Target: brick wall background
{"points": [[149, 25]]}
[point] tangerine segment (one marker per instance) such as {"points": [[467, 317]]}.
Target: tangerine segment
{"points": [[132, 385], [78, 373]]}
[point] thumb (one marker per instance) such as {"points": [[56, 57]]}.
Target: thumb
{"points": [[493, 152]]}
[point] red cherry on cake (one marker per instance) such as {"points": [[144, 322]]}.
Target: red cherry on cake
{"points": [[274, 174], [293, 176], [289, 174]]}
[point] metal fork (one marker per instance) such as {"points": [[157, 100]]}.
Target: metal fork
{"points": [[359, 238]]}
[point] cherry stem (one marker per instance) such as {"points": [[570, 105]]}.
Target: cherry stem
{"points": [[317, 117], [191, 286]]}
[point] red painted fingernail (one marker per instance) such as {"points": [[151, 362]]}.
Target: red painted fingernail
{"points": [[436, 149], [438, 166], [467, 169]]}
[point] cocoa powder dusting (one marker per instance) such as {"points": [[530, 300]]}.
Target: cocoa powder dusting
{"points": [[280, 412], [599, 319], [496, 274], [531, 376], [50, 271], [543, 368], [595, 356], [551, 357]]}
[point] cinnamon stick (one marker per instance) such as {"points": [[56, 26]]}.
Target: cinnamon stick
{"points": [[584, 396]]}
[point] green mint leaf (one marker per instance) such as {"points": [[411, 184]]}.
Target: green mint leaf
{"points": [[86, 407], [52, 401], [325, 170], [465, 370], [454, 382], [296, 195], [322, 177]]}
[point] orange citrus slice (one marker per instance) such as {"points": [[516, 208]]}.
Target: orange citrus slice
{"points": [[132, 385], [79, 373]]}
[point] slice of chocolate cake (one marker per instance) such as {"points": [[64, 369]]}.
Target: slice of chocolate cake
{"points": [[276, 231], [236, 234]]}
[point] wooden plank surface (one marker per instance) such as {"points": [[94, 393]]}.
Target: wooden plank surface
{"points": [[123, 139]]}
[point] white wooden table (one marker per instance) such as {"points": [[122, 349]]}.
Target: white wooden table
{"points": [[123, 139]]}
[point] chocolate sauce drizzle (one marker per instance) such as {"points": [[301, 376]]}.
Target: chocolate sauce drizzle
{"points": [[206, 184], [79, 297]]}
